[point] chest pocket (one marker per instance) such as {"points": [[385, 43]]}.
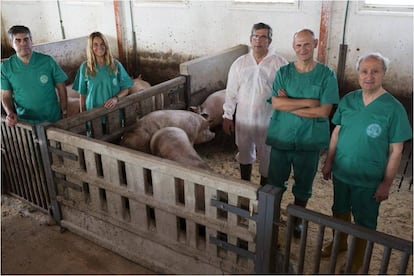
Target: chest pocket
{"points": [[314, 92]]}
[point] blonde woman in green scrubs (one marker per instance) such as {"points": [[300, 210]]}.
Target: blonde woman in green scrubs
{"points": [[101, 80]]}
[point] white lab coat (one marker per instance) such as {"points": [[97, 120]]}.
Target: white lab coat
{"points": [[249, 86]]}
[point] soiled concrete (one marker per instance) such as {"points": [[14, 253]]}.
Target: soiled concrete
{"points": [[31, 244]]}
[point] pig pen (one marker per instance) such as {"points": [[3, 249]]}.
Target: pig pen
{"points": [[128, 201]]}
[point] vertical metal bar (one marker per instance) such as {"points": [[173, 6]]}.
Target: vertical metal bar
{"points": [[51, 185], [38, 167], [350, 255], [32, 184], [317, 260], [385, 260], [302, 252], [334, 254], [404, 263], [288, 242], [134, 41], [22, 165], [6, 147], [367, 257], [13, 158], [267, 231], [60, 20]]}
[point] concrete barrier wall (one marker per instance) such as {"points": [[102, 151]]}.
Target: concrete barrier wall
{"points": [[68, 53], [208, 74]]}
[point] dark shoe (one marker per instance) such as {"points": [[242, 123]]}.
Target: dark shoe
{"points": [[246, 171], [263, 180], [297, 228], [297, 231]]}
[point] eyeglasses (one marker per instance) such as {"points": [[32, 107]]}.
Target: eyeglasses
{"points": [[259, 37]]}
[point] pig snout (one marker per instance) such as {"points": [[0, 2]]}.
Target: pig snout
{"points": [[204, 136]]}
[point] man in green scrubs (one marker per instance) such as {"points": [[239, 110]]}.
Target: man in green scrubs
{"points": [[29, 81], [302, 98], [365, 152]]}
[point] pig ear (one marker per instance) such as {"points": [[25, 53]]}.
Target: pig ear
{"points": [[205, 116], [195, 109]]}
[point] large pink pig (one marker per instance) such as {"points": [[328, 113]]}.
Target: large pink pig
{"points": [[212, 108], [172, 143], [196, 127]]}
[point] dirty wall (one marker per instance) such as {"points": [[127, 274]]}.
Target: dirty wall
{"points": [[153, 37]]}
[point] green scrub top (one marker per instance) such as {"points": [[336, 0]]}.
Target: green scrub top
{"points": [[33, 87], [366, 132], [288, 131], [103, 86]]}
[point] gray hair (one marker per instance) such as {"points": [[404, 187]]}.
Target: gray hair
{"points": [[259, 26], [385, 61], [309, 31], [18, 29]]}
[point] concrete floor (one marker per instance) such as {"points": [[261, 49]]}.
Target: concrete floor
{"points": [[31, 245]]}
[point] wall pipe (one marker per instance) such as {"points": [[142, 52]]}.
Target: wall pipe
{"points": [[60, 20], [343, 49], [323, 30], [119, 36], [134, 43]]}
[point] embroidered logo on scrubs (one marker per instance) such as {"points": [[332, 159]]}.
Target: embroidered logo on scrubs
{"points": [[43, 79], [374, 130], [115, 82]]}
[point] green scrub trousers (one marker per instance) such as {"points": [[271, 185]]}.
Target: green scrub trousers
{"points": [[305, 166]]}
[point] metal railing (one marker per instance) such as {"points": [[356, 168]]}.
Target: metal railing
{"points": [[390, 244]]}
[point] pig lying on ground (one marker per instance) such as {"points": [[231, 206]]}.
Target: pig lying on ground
{"points": [[212, 108], [172, 143], [139, 84], [194, 125]]}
